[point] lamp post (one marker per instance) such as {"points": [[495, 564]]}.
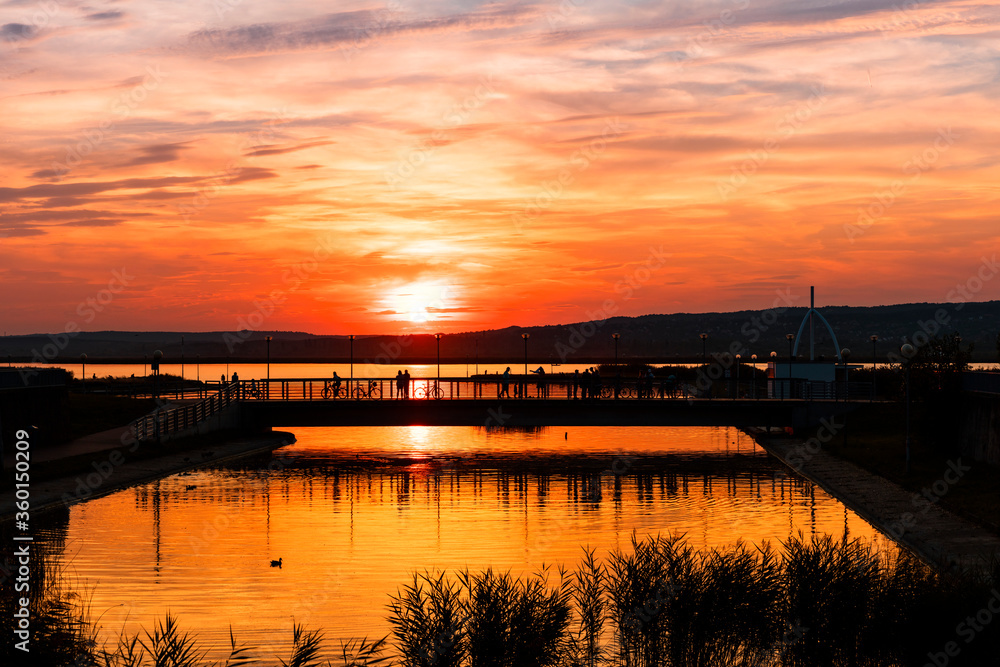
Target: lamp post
{"points": [[753, 362], [525, 336], [737, 392], [616, 336], [182, 361], [437, 337], [845, 354], [351, 337], [874, 339], [907, 351], [774, 380], [267, 339], [155, 367], [791, 338], [704, 348], [83, 364]]}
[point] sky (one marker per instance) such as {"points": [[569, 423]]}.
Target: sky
{"points": [[413, 167]]}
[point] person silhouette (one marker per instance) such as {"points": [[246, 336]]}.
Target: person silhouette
{"points": [[505, 383]]}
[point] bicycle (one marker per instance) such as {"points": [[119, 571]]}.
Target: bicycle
{"points": [[625, 391], [253, 391], [373, 391], [333, 388], [429, 391]]}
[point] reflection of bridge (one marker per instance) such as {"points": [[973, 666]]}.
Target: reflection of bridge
{"points": [[534, 401]]}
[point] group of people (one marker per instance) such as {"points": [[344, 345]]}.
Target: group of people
{"points": [[403, 384], [587, 383]]}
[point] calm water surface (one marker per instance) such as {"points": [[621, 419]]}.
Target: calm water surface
{"points": [[353, 512]]}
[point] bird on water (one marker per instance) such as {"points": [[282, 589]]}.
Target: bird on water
{"points": [[276, 563]]}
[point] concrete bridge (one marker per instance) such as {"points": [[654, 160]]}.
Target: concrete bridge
{"points": [[533, 402], [263, 404]]}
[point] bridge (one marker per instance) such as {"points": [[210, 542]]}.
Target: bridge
{"points": [[485, 401]]}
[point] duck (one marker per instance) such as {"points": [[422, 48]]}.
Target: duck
{"points": [[276, 563]]}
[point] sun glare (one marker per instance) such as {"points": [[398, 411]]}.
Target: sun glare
{"points": [[420, 302]]}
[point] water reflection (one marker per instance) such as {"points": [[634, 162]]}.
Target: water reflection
{"points": [[352, 512]]}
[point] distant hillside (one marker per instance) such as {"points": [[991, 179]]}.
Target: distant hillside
{"points": [[649, 337]]}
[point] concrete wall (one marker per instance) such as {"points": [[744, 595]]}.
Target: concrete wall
{"points": [[980, 430], [225, 420]]}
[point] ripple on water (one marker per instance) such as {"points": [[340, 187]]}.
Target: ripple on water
{"points": [[353, 512]]}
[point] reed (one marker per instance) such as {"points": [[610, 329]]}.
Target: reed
{"points": [[590, 604], [428, 622], [818, 602]]}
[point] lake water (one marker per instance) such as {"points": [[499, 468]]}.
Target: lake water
{"points": [[354, 512]]}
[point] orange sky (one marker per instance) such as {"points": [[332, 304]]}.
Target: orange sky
{"points": [[446, 166]]}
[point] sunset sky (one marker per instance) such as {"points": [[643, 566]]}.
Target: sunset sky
{"points": [[363, 167]]}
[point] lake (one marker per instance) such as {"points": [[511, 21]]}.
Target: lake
{"points": [[354, 512]]}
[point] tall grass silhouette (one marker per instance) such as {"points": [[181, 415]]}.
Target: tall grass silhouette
{"points": [[818, 602]]}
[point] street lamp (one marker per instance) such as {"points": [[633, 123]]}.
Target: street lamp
{"points": [[704, 348], [616, 336], [352, 355], [182, 361], [437, 336], [736, 393], [774, 380], [525, 336], [791, 338], [753, 362], [845, 354], [907, 351], [83, 363], [155, 367], [267, 339], [874, 339]]}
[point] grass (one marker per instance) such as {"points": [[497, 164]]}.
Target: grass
{"points": [[819, 602]]}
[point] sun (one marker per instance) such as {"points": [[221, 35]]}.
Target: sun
{"points": [[420, 301]]}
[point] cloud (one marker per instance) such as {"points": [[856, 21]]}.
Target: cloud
{"points": [[272, 150], [17, 31], [157, 153], [347, 28], [113, 15]]}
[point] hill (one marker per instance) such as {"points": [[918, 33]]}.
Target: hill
{"points": [[664, 337]]}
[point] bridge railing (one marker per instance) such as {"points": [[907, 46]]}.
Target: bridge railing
{"points": [[183, 417], [551, 387]]}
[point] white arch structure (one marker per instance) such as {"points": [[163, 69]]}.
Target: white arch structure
{"points": [[808, 318]]}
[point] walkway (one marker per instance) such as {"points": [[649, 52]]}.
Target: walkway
{"points": [[946, 541]]}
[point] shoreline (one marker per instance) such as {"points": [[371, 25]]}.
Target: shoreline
{"points": [[944, 540]]}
